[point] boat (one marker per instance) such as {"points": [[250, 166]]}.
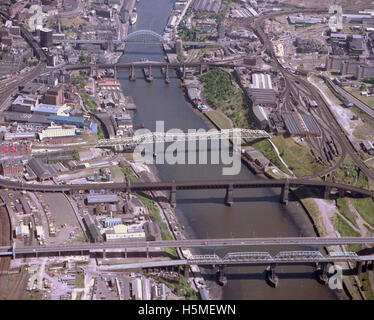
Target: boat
{"points": [[133, 18]]}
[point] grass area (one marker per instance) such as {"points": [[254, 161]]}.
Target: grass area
{"points": [[265, 147], [221, 94], [365, 208], [366, 286], [182, 288], [298, 158], [346, 230], [79, 279], [73, 22], [76, 156], [100, 133], [130, 175], [342, 204], [218, 119], [88, 102], [306, 198]]}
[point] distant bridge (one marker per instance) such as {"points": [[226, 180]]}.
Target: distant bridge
{"points": [[140, 37]]}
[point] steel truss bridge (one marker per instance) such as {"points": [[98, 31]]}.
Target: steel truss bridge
{"points": [[141, 245], [156, 137]]}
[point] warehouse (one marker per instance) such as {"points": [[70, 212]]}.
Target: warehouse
{"points": [[298, 124], [207, 5], [41, 170], [74, 121], [93, 231], [49, 109], [261, 81], [262, 97], [57, 132], [102, 198]]}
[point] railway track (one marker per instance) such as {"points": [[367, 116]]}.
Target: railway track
{"points": [[329, 119]]}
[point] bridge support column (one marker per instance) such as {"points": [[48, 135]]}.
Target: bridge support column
{"points": [[341, 193], [150, 72], [173, 196], [358, 267], [271, 276], [371, 267], [14, 249], [184, 72], [201, 68], [104, 254], [125, 253], [186, 271], [167, 80], [115, 73], [321, 272], [221, 277], [229, 201], [327, 191], [132, 73], [284, 193]]}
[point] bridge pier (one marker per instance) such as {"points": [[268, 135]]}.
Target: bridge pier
{"points": [[186, 271], [284, 193], [221, 277], [341, 193], [132, 73], [150, 76], [14, 249], [125, 253], [326, 193], [104, 254], [173, 196], [358, 267], [167, 80], [201, 68], [271, 276], [321, 272], [184, 72], [115, 74], [229, 201]]}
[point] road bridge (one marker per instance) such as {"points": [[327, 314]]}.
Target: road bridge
{"points": [[325, 187], [87, 248]]}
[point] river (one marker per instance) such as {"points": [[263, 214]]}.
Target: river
{"points": [[255, 213]]}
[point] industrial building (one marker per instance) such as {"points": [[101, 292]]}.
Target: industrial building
{"points": [[262, 97], [207, 5], [41, 170], [11, 167], [102, 198], [93, 231], [49, 109], [57, 132], [261, 81], [299, 124], [24, 104]]}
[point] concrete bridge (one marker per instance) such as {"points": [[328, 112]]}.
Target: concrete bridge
{"points": [[142, 245]]}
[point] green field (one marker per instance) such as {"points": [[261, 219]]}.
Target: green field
{"points": [[218, 119], [221, 94], [268, 151], [298, 158], [346, 230]]}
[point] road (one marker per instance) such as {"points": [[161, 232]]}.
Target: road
{"points": [[346, 95], [188, 243]]}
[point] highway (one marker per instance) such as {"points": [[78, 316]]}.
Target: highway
{"points": [[188, 243]]}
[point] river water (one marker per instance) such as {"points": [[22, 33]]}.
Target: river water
{"points": [[255, 213]]}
